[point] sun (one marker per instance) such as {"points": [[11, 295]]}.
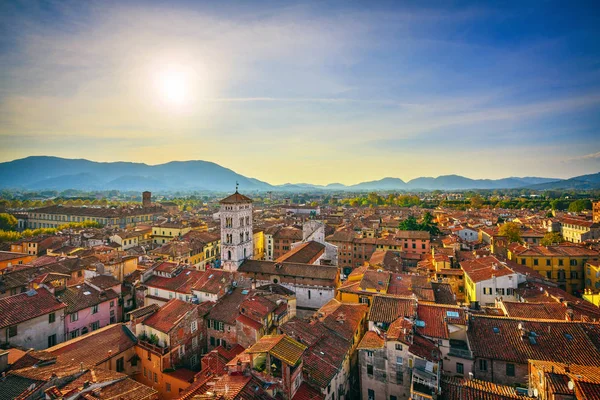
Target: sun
{"points": [[174, 84]]}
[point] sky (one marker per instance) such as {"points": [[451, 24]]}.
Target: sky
{"points": [[315, 92]]}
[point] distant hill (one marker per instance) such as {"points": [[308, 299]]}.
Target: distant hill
{"points": [[61, 174], [583, 182], [42, 172]]}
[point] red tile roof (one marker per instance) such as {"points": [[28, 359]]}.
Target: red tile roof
{"points": [[437, 318], [168, 316], [25, 306], [501, 339], [235, 199], [371, 341]]}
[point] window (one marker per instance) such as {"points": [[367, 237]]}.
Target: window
{"points": [[74, 317], [399, 346], [212, 341], [12, 331], [95, 325], [112, 304], [145, 372], [500, 291], [560, 262], [95, 309], [392, 397], [371, 394], [51, 317], [460, 368], [155, 378], [369, 354], [535, 261], [549, 274], [74, 334], [510, 369], [399, 361], [181, 350], [168, 387], [194, 360], [574, 275], [573, 263], [195, 342], [120, 365], [483, 365], [369, 369], [52, 340]]}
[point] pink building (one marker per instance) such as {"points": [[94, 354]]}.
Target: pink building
{"points": [[88, 309]]}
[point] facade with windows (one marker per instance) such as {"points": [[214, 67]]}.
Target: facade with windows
{"points": [[237, 236], [33, 319]]}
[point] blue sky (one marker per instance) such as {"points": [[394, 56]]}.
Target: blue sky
{"points": [[306, 91]]}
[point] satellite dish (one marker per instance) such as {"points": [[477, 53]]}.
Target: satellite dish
{"points": [[535, 392], [571, 385], [520, 326]]}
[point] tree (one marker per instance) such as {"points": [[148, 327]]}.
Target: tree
{"points": [[7, 222], [551, 238], [427, 224], [580, 205], [409, 224], [476, 201], [512, 231]]}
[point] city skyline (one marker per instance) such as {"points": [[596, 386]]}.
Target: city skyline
{"points": [[305, 92]]}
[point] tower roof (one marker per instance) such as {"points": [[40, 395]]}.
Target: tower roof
{"points": [[236, 198]]}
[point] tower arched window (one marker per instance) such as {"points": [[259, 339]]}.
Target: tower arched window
{"points": [[241, 236], [247, 236], [229, 254], [247, 220]]}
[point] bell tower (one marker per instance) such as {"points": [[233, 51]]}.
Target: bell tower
{"points": [[236, 230]]}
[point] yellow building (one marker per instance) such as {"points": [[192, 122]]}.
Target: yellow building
{"points": [[563, 264], [164, 233], [592, 282], [259, 244], [8, 259]]}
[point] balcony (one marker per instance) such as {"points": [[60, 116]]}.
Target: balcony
{"points": [[460, 349], [152, 347]]}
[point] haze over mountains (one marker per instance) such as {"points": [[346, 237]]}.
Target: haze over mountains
{"points": [[44, 172]]}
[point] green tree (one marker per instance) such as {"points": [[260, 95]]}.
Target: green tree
{"points": [[409, 224], [512, 231], [476, 201], [7, 222], [580, 205], [427, 224], [551, 238]]}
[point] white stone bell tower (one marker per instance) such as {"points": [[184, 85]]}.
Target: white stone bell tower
{"points": [[236, 231]]}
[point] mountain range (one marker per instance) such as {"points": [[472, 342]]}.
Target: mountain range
{"points": [[44, 172]]}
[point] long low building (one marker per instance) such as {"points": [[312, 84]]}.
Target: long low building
{"points": [[53, 216], [314, 285]]}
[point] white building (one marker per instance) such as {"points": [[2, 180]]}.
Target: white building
{"points": [[236, 231], [315, 231], [34, 319]]}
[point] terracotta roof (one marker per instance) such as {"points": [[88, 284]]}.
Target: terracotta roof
{"points": [[235, 199], [290, 269], [375, 280], [443, 293], [140, 312], [424, 348], [306, 253], [307, 392], [7, 255], [25, 306], [389, 260], [84, 296], [475, 389], [387, 309], [371, 341], [168, 316], [436, 319], [281, 346], [484, 268], [182, 283], [500, 338]]}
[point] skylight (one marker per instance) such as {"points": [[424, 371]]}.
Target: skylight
{"points": [[496, 330], [452, 314]]}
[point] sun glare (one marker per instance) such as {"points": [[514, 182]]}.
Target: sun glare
{"points": [[174, 85]]}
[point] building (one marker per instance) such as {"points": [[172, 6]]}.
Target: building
{"points": [[314, 285], [88, 309], [167, 231], [169, 343], [562, 264], [596, 212], [34, 319], [236, 231], [502, 347], [53, 216], [487, 279], [8, 259], [579, 230], [553, 380], [146, 199], [275, 360], [398, 365]]}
